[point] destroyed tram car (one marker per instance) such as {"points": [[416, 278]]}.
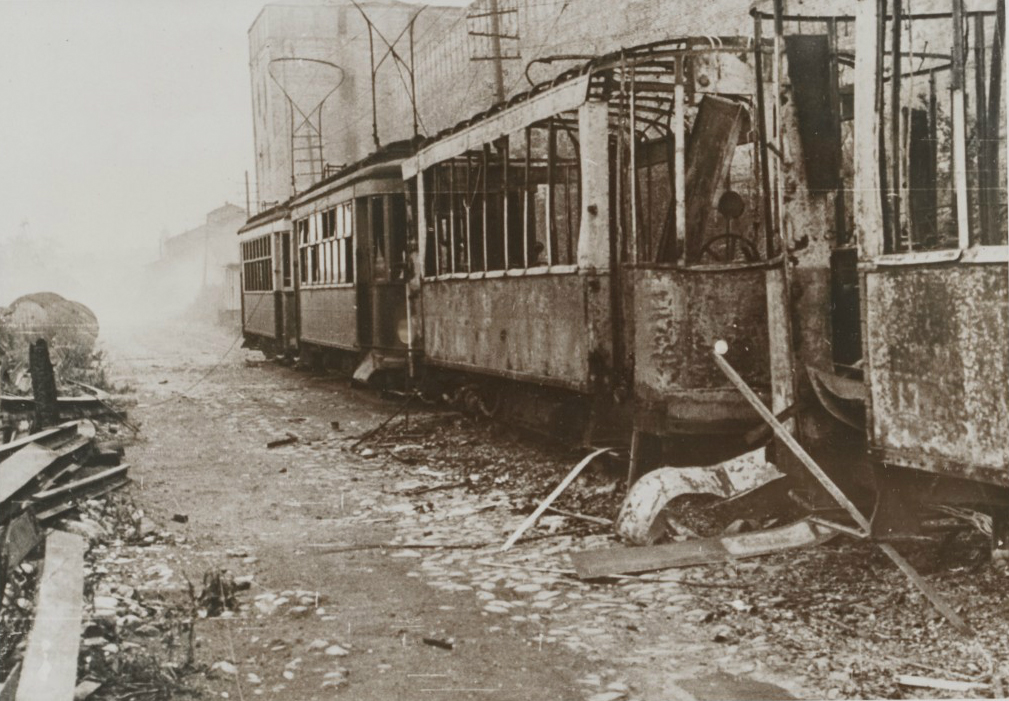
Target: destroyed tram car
{"points": [[568, 260]]}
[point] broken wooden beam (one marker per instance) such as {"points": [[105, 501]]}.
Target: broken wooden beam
{"points": [[49, 435], [592, 564], [287, 440], [47, 411], [49, 667], [81, 407], [74, 489], [33, 465], [92, 492]]}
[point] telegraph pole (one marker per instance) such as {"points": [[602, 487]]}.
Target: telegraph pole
{"points": [[495, 39]]}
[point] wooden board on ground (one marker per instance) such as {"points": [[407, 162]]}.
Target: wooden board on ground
{"points": [[22, 467], [49, 667], [591, 564], [20, 537], [63, 430]]}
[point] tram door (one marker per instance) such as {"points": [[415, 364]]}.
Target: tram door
{"points": [[388, 275], [289, 293]]}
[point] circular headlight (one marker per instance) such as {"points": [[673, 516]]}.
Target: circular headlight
{"points": [[403, 332]]}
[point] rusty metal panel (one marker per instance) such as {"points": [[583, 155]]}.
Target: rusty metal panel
{"points": [[328, 316], [533, 327], [259, 314], [679, 315], [938, 363]]}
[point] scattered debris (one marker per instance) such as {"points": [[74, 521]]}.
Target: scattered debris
{"points": [[793, 445], [287, 440], [443, 644], [218, 594], [545, 504], [641, 521], [591, 564]]}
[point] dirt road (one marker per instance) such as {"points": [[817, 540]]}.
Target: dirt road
{"points": [[329, 613]]}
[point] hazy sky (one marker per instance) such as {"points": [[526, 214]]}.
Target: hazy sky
{"points": [[122, 118]]}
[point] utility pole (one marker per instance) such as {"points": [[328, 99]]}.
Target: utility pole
{"points": [[495, 31]]}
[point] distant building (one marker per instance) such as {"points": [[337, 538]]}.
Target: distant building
{"points": [[196, 267]]}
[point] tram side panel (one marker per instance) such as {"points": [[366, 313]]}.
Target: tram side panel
{"points": [[938, 368]]}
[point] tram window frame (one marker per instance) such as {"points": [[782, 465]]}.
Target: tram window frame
{"points": [[257, 264], [326, 246], [506, 207]]}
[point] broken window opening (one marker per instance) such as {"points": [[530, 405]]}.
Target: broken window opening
{"points": [[919, 121], [325, 247]]}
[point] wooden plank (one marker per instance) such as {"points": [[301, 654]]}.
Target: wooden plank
{"points": [[24, 466], [793, 445], [79, 485], [782, 433], [49, 668], [19, 538], [92, 492], [591, 564], [940, 684], [8, 449], [931, 594]]}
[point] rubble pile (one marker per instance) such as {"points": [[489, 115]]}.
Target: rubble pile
{"points": [[480, 456], [841, 612], [63, 525]]}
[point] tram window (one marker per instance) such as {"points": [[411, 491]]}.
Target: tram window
{"points": [[257, 265], [397, 236], [326, 252], [565, 184], [378, 234], [344, 254], [285, 239], [494, 207], [514, 203]]}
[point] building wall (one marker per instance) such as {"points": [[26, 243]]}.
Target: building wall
{"points": [[335, 32], [454, 81]]}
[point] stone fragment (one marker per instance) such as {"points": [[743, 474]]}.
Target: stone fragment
{"points": [[224, 667]]}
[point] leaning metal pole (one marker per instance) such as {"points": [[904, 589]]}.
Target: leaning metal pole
{"points": [[789, 440]]}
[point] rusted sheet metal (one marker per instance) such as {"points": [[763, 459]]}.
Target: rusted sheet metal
{"points": [[680, 314], [259, 314], [328, 316], [937, 340], [534, 327]]}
